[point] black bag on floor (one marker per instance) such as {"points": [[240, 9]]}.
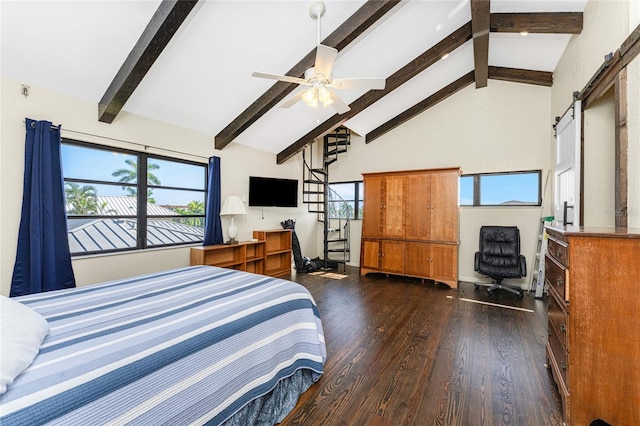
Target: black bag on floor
{"points": [[295, 246]]}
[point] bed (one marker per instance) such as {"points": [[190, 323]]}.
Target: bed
{"points": [[195, 345]]}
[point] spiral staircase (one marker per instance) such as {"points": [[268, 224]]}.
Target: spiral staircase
{"points": [[333, 211]]}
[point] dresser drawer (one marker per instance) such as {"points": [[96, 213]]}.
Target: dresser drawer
{"points": [[559, 250], [559, 320], [557, 357], [555, 275]]}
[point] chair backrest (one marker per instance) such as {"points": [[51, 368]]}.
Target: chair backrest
{"points": [[499, 246]]}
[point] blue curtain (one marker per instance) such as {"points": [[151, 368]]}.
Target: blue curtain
{"points": [[43, 261], [213, 226]]}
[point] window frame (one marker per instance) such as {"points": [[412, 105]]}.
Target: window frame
{"points": [[141, 186], [477, 189], [358, 200]]}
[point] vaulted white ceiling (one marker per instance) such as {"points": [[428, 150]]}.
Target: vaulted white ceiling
{"points": [[202, 80]]}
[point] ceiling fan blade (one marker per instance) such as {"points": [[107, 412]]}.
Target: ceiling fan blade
{"points": [[359, 83], [338, 104], [286, 78], [325, 57], [294, 99]]}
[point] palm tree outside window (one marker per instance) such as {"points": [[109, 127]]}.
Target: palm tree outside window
{"points": [[346, 200]]}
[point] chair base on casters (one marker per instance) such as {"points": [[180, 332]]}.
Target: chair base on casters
{"points": [[498, 286]]}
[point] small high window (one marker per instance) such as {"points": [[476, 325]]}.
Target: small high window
{"points": [[346, 200], [501, 189]]}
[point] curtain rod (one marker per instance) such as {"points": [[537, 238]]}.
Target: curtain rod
{"points": [[137, 144], [53, 126], [59, 127]]}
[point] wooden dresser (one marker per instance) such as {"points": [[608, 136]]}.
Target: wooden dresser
{"points": [[410, 224], [593, 350]]}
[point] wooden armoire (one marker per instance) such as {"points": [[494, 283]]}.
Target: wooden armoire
{"points": [[410, 224]]}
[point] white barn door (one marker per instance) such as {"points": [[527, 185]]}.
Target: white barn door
{"points": [[567, 167]]}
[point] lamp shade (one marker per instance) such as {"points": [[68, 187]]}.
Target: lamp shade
{"points": [[232, 206]]}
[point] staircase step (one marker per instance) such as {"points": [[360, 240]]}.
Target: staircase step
{"points": [[343, 142], [319, 171], [337, 151], [313, 192], [338, 251], [313, 201], [318, 182], [337, 240], [315, 211]]}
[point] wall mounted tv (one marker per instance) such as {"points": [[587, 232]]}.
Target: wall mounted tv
{"points": [[272, 192]]}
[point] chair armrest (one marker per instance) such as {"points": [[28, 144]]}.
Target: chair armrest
{"points": [[523, 265], [476, 262]]}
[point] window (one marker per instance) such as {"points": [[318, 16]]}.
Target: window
{"points": [[345, 200], [501, 189], [110, 209]]}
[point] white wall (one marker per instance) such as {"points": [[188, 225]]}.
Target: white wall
{"points": [[237, 163], [503, 127], [599, 162], [606, 25]]}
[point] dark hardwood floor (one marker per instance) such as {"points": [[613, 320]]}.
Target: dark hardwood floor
{"points": [[403, 352]]}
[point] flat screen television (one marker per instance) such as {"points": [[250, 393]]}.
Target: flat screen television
{"points": [[272, 192]]}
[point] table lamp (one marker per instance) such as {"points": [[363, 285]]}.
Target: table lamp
{"points": [[232, 206]]}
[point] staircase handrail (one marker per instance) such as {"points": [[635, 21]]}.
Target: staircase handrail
{"points": [[347, 225]]}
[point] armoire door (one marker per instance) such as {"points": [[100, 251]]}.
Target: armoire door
{"points": [[418, 207], [444, 202], [393, 257], [371, 253], [416, 259], [372, 220], [444, 263], [394, 206]]}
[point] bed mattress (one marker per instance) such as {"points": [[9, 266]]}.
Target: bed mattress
{"points": [[185, 346]]}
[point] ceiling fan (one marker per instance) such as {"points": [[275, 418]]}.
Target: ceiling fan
{"points": [[318, 80]]}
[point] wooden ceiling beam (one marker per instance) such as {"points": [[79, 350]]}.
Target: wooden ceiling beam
{"points": [[545, 23], [540, 78], [359, 22], [480, 19], [422, 106], [517, 75], [155, 37], [404, 74]]}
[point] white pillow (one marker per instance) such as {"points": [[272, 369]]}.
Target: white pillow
{"points": [[22, 331]]}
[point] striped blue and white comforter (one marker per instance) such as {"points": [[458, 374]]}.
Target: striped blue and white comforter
{"points": [[185, 346]]}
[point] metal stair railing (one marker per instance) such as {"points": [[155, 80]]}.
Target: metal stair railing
{"points": [[313, 185], [317, 196], [344, 229]]}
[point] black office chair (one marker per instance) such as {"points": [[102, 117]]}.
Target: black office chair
{"points": [[499, 257]]}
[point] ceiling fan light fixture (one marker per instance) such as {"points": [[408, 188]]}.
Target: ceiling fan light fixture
{"points": [[310, 97], [319, 79], [324, 95]]}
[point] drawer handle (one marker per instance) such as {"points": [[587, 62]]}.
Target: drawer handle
{"points": [[563, 365], [563, 328], [559, 281]]}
